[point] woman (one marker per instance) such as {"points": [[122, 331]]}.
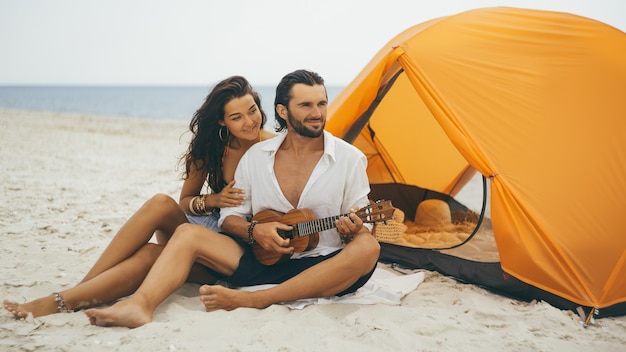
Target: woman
{"points": [[229, 121]]}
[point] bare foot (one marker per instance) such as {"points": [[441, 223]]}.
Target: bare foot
{"points": [[124, 313], [215, 297], [39, 307]]}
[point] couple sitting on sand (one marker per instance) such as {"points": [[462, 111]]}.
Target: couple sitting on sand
{"points": [[208, 237]]}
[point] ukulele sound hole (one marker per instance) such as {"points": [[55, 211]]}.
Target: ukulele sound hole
{"points": [[287, 234]]}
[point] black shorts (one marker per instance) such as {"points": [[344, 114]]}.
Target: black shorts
{"points": [[251, 272]]}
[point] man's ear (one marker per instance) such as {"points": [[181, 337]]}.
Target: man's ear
{"points": [[282, 111]]}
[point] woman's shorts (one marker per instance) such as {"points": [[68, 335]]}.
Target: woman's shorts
{"points": [[208, 221]]}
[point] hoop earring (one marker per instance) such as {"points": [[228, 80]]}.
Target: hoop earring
{"points": [[220, 133]]}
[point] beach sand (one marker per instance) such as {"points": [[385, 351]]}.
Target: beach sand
{"points": [[70, 181]]}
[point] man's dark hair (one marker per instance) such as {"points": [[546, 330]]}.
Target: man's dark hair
{"points": [[283, 91]]}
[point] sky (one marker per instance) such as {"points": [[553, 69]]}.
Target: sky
{"points": [[198, 42]]}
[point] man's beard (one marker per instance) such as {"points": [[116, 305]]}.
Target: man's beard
{"points": [[302, 130]]}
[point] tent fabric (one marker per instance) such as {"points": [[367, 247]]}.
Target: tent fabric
{"points": [[467, 266], [531, 99]]}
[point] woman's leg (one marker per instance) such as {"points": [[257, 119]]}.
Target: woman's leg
{"points": [[117, 282], [190, 243], [159, 215], [127, 256]]}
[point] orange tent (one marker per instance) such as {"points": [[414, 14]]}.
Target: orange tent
{"points": [[532, 100]]}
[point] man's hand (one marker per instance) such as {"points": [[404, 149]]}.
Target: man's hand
{"points": [[266, 235], [348, 226]]}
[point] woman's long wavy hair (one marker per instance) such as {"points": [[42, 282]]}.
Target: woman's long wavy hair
{"points": [[206, 148]]}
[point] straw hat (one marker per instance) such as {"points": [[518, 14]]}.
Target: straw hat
{"points": [[433, 213], [433, 227]]}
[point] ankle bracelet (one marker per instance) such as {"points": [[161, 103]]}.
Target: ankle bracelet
{"points": [[61, 307]]}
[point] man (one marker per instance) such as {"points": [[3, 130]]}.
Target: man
{"points": [[305, 168]]}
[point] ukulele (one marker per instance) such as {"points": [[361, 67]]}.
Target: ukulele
{"points": [[305, 233]]}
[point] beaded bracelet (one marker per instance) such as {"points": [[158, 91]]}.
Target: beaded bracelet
{"points": [[250, 231], [197, 206], [202, 206]]}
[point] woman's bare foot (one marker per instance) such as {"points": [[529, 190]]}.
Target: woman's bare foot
{"points": [[215, 297], [124, 313], [39, 307]]}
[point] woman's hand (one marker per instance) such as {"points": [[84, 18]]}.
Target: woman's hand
{"points": [[228, 197]]}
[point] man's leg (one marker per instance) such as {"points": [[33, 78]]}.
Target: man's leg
{"points": [[327, 278]]}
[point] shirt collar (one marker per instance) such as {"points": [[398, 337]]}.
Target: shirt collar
{"points": [[273, 144], [329, 145]]}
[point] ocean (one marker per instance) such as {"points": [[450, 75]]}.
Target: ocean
{"points": [[178, 103], [156, 102]]}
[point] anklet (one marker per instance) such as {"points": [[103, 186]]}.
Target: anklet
{"points": [[61, 307]]}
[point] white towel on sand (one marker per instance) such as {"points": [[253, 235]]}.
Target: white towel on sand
{"points": [[383, 287]]}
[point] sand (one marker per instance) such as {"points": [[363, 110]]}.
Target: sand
{"points": [[70, 181]]}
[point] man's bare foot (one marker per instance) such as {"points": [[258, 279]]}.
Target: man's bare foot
{"points": [[124, 313], [215, 297], [39, 307]]}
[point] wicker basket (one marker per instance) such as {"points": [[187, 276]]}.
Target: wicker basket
{"points": [[392, 230]]}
